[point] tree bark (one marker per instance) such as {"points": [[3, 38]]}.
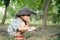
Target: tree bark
{"points": [[4, 16], [46, 4]]}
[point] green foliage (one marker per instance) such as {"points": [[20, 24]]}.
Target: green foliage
{"points": [[1, 2], [0, 16], [11, 12], [15, 5]]}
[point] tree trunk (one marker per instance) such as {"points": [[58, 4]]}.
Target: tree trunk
{"points": [[46, 4], [4, 16]]}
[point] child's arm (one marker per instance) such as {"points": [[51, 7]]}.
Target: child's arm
{"points": [[23, 28]]}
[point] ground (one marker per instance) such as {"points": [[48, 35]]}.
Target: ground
{"points": [[52, 32]]}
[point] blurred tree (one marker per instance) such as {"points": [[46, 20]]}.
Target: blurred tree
{"points": [[6, 3], [45, 10], [55, 11], [58, 5]]}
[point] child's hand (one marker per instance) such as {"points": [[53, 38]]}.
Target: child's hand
{"points": [[31, 28]]}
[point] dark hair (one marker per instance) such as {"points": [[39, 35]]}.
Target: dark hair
{"points": [[19, 16]]}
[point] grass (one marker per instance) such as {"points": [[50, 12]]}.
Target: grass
{"points": [[43, 34]]}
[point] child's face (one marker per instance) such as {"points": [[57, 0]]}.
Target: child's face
{"points": [[26, 18]]}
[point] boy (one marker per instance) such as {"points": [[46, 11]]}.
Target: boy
{"points": [[20, 23]]}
